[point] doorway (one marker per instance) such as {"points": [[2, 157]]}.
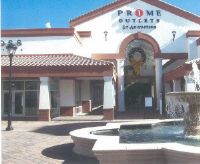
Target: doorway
{"points": [[139, 76]]}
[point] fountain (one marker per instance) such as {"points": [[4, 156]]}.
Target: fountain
{"points": [[187, 104], [149, 141]]}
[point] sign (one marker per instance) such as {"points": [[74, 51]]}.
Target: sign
{"points": [[148, 102], [138, 19]]}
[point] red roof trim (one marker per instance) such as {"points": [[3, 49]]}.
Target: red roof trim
{"points": [[177, 73], [98, 12], [39, 73], [174, 55], [198, 42], [120, 3], [84, 34], [174, 10], [193, 33], [38, 32]]}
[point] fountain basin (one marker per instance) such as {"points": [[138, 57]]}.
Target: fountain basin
{"points": [[108, 149], [187, 106]]}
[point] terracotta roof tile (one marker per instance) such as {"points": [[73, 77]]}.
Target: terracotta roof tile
{"points": [[67, 60], [59, 65]]}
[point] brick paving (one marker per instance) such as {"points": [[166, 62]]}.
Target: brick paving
{"points": [[34, 142]]}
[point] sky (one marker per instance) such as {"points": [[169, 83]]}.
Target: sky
{"points": [[19, 14]]}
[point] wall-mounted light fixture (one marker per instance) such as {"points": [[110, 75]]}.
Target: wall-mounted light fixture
{"points": [[174, 35], [2, 43], [106, 34]]}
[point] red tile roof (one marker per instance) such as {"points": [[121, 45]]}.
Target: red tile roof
{"points": [[55, 63], [67, 60]]}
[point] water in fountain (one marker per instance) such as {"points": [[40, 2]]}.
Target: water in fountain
{"points": [[195, 76], [187, 105]]}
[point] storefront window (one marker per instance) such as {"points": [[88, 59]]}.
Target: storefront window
{"points": [[6, 102], [5, 85], [31, 89], [54, 85], [17, 85], [31, 102], [32, 85]]}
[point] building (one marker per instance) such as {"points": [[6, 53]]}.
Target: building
{"points": [[124, 56]]}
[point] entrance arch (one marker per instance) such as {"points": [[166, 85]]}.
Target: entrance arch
{"points": [[156, 55], [139, 36]]}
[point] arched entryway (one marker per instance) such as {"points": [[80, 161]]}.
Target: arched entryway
{"points": [[141, 78]]}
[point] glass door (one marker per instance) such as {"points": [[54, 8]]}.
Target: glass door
{"points": [[18, 103]]}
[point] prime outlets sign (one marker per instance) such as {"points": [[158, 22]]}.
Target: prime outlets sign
{"points": [[138, 19]]}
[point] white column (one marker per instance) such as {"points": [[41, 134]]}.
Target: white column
{"points": [[176, 85], [158, 68], [120, 85], [44, 99], [109, 93], [67, 93]]}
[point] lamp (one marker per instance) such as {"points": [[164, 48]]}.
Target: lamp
{"points": [[106, 34], [11, 49], [174, 35]]}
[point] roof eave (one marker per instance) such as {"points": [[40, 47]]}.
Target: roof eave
{"points": [[38, 32]]}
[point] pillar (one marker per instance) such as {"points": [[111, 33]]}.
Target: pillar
{"points": [[85, 96], [44, 100], [176, 85], [120, 85], [67, 97], [158, 69], [108, 98]]}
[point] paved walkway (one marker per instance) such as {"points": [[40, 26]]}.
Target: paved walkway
{"points": [[34, 142]]}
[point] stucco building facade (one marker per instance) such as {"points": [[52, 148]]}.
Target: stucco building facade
{"points": [[124, 57]]}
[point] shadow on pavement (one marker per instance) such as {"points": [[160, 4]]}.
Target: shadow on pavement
{"points": [[64, 129], [65, 152]]}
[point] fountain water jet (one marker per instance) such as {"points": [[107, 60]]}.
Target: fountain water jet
{"points": [[187, 105]]}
